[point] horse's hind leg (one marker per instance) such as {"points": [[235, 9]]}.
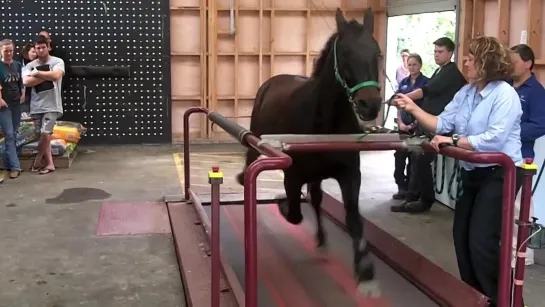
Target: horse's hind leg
{"points": [[316, 196], [251, 156], [290, 207], [364, 268]]}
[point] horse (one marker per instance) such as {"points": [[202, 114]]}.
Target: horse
{"points": [[342, 90]]}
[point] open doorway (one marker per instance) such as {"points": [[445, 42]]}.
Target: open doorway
{"points": [[415, 32]]}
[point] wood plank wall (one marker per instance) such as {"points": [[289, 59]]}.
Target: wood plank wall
{"points": [[477, 16]]}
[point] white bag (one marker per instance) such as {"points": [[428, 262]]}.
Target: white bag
{"points": [[529, 252]]}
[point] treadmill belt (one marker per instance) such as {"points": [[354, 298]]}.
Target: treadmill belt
{"points": [[292, 273]]}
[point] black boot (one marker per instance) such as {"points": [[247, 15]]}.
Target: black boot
{"points": [[412, 207], [400, 195]]}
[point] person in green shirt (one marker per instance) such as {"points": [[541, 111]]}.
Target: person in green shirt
{"points": [[11, 97]]}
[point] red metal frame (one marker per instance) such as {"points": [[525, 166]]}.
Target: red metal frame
{"points": [[215, 241], [187, 231], [228, 271], [275, 159], [505, 281], [522, 235]]}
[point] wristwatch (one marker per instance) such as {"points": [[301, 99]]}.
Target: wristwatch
{"points": [[455, 138]]}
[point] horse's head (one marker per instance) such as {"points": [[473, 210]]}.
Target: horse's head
{"points": [[357, 56]]}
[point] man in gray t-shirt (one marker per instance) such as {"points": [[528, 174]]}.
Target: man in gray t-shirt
{"points": [[44, 75]]}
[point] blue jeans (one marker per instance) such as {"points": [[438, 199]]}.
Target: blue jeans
{"points": [[10, 118]]}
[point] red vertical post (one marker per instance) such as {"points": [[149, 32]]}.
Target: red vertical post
{"points": [[276, 160], [506, 246], [250, 232], [524, 226], [187, 169], [215, 178]]}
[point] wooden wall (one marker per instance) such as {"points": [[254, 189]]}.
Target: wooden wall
{"points": [[505, 19], [222, 71]]}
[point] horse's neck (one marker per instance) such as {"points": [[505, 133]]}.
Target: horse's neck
{"points": [[335, 114]]}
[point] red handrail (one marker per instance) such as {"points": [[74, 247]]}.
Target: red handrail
{"points": [[276, 159], [524, 227], [504, 287]]}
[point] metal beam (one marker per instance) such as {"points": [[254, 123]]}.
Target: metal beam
{"points": [[278, 140]]}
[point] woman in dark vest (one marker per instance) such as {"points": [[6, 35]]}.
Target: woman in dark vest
{"points": [[406, 123]]}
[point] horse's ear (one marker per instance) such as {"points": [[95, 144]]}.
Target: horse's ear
{"points": [[369, 20], [339, 18]]}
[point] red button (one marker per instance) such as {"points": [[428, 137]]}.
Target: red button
{"points": [[528, 160], [215, 169]]}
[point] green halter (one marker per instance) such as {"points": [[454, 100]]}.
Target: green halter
{"points": [[349, 90]]}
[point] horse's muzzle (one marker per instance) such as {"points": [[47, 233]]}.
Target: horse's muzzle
{"points": [[367, 111]]}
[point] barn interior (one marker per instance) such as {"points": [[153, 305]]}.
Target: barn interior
{"points": [[96, 232]]}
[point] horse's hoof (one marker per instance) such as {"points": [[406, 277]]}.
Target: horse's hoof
{"points": [[281, 196], [322, 249], [240, 178], [369, 288], [283, 207], [321, 243]]}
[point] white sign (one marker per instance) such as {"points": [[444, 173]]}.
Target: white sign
{"points": [[523, 37]]}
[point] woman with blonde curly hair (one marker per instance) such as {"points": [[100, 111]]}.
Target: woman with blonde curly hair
{"points": [[483, 116]]}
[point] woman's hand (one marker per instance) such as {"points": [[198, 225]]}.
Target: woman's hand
{"points": [[438, 140], [404, 103], [402, 127]]}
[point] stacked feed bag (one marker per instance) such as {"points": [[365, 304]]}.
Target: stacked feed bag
{"points": [[69, 131], [26, 134], [65, 138], [58, 148]]}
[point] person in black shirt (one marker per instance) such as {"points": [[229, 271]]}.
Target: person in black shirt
{"points": [[436, 94], [28, 54]]}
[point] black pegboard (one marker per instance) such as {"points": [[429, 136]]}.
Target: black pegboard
{"points": [[134, 33]]}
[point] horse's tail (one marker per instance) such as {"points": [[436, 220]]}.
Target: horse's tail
{"points": [[258, 102], [252, 154]]}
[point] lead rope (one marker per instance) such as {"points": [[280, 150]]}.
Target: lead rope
{"points": [[434, 173], [456, 174]]}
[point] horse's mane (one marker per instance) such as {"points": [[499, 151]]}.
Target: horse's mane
{"points": [[322, 60]]}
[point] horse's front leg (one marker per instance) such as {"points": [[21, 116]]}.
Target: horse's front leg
{"points": [[316, 196], [251, 156], [290, 207], [364, 267]]}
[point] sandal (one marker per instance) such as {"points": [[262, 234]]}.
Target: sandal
{"points": [[45, 171]]}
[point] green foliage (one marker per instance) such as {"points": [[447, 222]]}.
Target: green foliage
{"points": [[421, 30]]}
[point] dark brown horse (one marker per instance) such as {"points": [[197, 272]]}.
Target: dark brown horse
{"points": [[343, 87]]}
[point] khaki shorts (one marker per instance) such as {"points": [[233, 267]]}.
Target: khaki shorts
{"points": [[45, 122]]}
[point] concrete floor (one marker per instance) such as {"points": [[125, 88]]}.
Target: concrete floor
{"points": [[51, 254]]}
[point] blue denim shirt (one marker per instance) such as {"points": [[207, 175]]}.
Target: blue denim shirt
{"points": [[406, 87], [490, 120]]}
